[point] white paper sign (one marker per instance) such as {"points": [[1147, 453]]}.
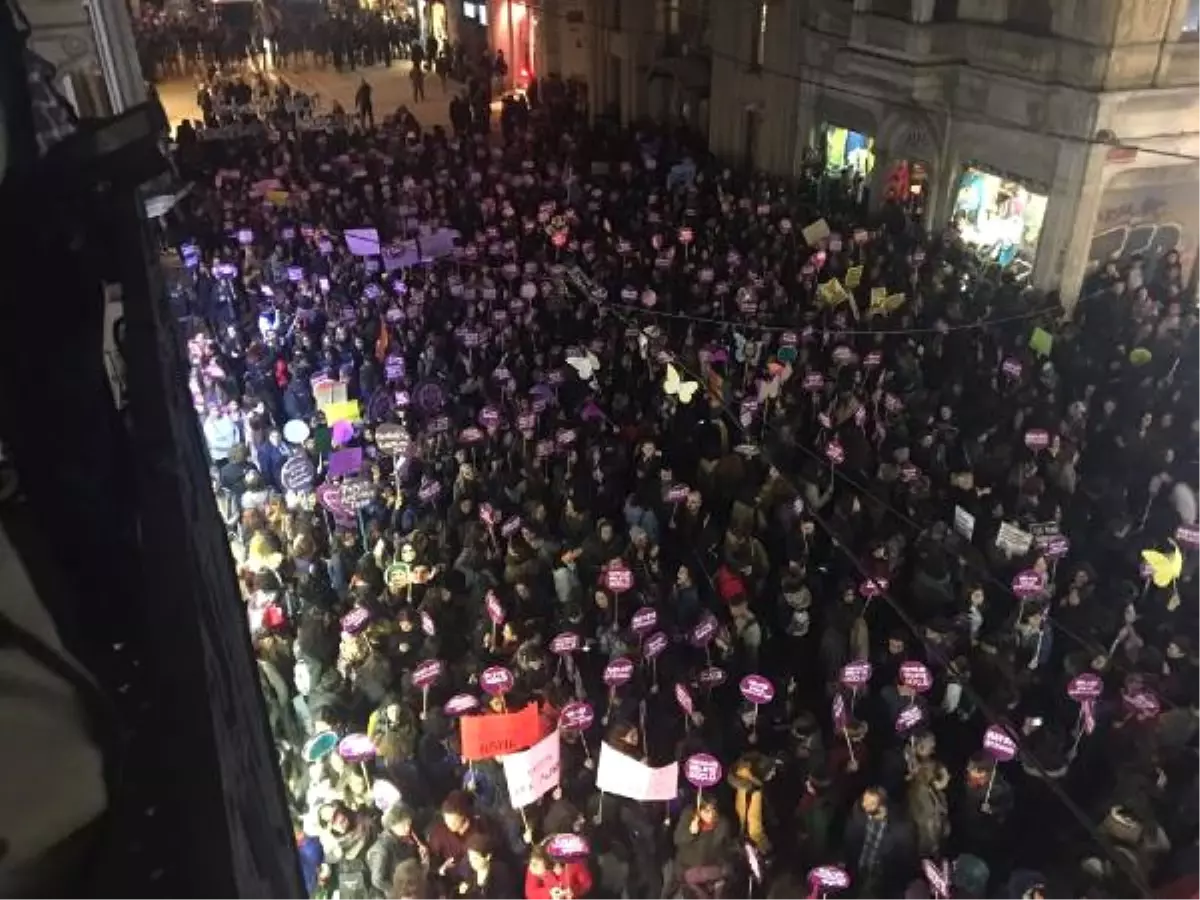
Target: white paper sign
{"points": [[533, 772], [964, 522], [626, 777], [1013, 540]]}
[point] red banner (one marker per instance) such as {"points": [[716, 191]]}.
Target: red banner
{"points": [[495, 734]]}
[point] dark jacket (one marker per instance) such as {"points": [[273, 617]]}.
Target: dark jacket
{"points": [[707, 848], [897, 851]]}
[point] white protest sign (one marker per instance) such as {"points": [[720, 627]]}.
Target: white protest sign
{"points": [[626, 777], [362, 241], [1013, 540], [533, 772], [964, 522]]}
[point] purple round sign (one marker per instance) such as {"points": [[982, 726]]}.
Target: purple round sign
{"points": [[618, 672], [618, 578], [564, 643], [831, 878], [1087, 686], [705, 631], [1057, 547], [460, 704], [702, 770], [567, 847], [495, 609], [916, 675], [855, 674], [1026, 583], [684, 698], [1143, 704], [427, 673], [496, 680], [576, 716], [644, 620], [356, 748], [654, 645], [711, 677], [999, 743], [757, 690], [910, 717]]}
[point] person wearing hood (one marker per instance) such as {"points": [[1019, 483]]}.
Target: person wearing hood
{"points": [[396, 844], [747, 777]]}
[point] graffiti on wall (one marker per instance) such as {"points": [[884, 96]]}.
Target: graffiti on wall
{"points": [[1147, 220]]}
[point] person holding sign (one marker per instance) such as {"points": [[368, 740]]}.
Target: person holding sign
{"points": [[704, 845]]}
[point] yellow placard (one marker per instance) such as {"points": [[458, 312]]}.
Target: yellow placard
{"points": [[816, 232], [277, 198], [854, 277], [831, 293], [346, 411], [893, 302], [878, 299]]}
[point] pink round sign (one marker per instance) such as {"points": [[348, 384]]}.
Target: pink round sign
{"points": [[495, 609], [830, 878], [855, 674], [460, 704], [654, 645], [618, 579], [576, 716], [1027, 583], [704, 631], [618, 672], [757, 690], [999, 743], [916, 675], [702, 770], [684, 698], [1087, 686], [644, 620], [356, 748], [564, 643], [711, 677], [427, 673], [909, 718], [567, 847], [496, 680]]}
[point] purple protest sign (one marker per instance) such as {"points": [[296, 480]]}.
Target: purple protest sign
{"points": [[460, 704], [488, 514], [829, 878], [938, 878], [855, 674], [544, 449], [999, 743], [1057, 547], [427, 624], [916, 675], [576, 716], [618, 672], [644, 620], [757, 690], [489, 417], [1143, 704], [684, 698], [355, 621], [470, 435], [711, 677], [565, 437], [1027, 583], [814, 381], [838, 710], [873, 587], [873, 360], [835, 452], [429, 491], [909, 718], [356, 748], [1088, 686], [654, 645], [564, 643], [704, 631], [510, 527], [527, 421], [427, 673], [1188, 536], [495, 609], [345, 462], [1011, 368], [617, 578], [567, 847], [677, 493], [496, 680], [1037, 439], [702, 770]]}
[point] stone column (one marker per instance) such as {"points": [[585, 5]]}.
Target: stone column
{"points": [[1070, 219]]}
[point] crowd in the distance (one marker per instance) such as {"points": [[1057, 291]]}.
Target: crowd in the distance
{"points": [[713, 425]]}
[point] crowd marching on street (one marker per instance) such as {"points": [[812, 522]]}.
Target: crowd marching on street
{"points": [[613, 522]]}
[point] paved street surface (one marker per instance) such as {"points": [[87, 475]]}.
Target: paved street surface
{"points": [[392, 88]]}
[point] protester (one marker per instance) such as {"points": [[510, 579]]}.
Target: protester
{"points": [[788, 537]]}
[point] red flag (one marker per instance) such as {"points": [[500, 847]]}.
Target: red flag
{"points": [[382, 342]]}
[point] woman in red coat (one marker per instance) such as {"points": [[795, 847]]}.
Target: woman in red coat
{"points": [[550, 880]]}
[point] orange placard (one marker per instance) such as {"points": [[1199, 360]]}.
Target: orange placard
{"points": [[495, 734]]}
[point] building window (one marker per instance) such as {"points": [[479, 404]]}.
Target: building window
{"points": [[1191, 22], [758, 42], [945, 10], [668, 16]]}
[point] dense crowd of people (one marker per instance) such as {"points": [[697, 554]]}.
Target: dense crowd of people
{"points": [[681, 531]]}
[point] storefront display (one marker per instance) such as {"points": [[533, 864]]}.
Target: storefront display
{"points": [[1001, 217], [846, 149]]}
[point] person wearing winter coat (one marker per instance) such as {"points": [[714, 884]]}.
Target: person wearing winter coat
{"points": [[396, 844], [747, 778], [704, 844], [879, 848], [546, 879]]}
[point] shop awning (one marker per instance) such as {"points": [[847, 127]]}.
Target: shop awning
{"points": [[693, 73]]}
